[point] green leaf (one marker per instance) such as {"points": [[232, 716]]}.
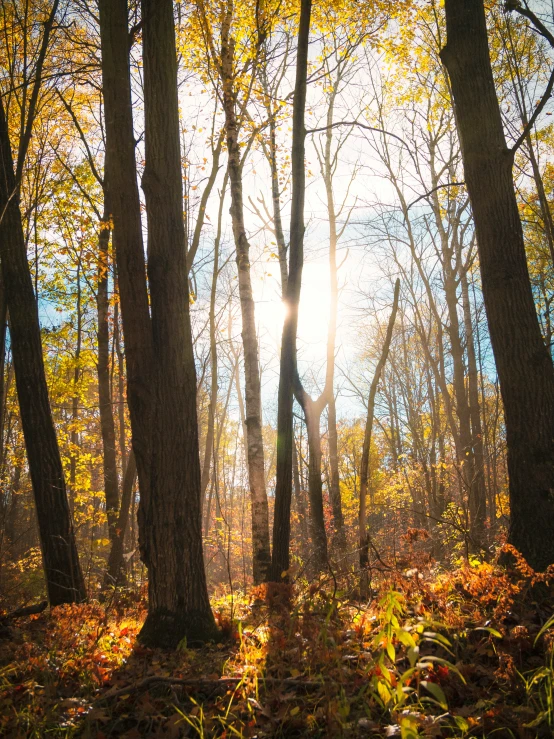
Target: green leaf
{"points": [[407, 675], [492, 632], [408, 728], [386, 674], [461, 723], [546, 626], [413, 655], [384, 692], [405, 638], [437, 693], [182, 646]]}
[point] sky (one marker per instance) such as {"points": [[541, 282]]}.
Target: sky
{"points": [[359, 182]]}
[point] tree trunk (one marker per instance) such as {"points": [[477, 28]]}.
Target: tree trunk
{"points": [[115, 574], [171, 511], [288, 371], [312, 413], [107, 424], [64, 579], [121, 179], [327, 171], [524, 366], [209, 445], [364, 466], [74, 433], [334, 481], [301, 508], [474, 409], [13, 512], [519, 89], [466, 460], [122, 437], [252, 385], [3, 327]]}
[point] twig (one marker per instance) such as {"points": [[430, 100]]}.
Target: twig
{"points": [[359, 125], [438, 187], [201, 684]]}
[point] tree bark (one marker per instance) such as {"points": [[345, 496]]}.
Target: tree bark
{"points": [[118, 350], [107, 424], [480, 496], [334, 477], [466, 459], [252, 385], [519, 89], [312, 413], [364, 465], [3, 328], [300, 506], [171, 511], [524, 366], [327, 172], [64, 580], [13, 511], [115, 574], [209, 445], [121, 179], [74, 433], [288, 371], [312, 408]]}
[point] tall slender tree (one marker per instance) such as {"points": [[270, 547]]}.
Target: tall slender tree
{"points": [[233, 107], [288, 370], [524, 366], [64, 580], [364, 464], [122, 189]]}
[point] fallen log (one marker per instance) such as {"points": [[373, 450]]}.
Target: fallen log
{"points": [[5, 621], [26, 611]]}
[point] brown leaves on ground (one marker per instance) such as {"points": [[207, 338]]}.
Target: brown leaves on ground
{"points": [[436, 655]]}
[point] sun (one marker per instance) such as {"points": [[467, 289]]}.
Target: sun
{"points": [[313, 319]]}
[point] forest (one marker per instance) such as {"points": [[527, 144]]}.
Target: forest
{"points": [[276, 368]]}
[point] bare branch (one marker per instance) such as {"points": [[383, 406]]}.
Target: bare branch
{"points": [[438, 187]]}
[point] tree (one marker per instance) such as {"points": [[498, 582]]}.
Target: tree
{"points": [[159, 352], [64, 580], [524, 366], [364, 466], [171, 511], [122, 189], [233, 104], [288, 369]]}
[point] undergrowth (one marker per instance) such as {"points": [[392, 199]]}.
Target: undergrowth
{"points": [[468, 653]]}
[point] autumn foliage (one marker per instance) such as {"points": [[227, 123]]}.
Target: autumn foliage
{"points": [[437, 654]]}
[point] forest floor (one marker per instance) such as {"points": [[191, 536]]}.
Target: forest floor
{"points": [[468, 653]]}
